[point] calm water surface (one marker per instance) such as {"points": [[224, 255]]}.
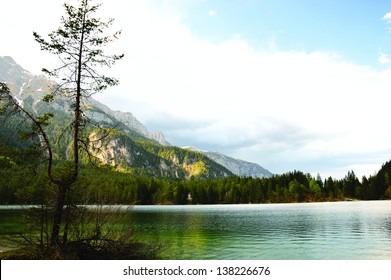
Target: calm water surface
{"points": [[335, 230], [331, 230]]}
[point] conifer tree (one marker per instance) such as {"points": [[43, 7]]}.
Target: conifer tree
{"points": [[78, 44]]}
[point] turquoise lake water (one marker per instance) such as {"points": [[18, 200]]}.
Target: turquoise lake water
{"points": [[304, 231]]}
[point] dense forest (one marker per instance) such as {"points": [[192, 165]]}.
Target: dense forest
{"points": [[21, 183]]}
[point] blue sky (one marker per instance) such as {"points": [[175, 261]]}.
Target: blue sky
{"points": [[353, 29], [292, 84]]}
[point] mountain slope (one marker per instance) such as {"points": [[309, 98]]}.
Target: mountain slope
{"points": [[146, 157], [236, 166], [128, 144], [240, 167], [31, 88]]}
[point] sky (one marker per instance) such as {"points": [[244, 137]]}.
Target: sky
{"points": [[288, 84]]}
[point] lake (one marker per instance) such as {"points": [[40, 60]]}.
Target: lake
{"points": [[297, 231]]}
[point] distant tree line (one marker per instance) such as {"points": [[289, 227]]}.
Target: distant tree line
{"points": [[101, 185]]}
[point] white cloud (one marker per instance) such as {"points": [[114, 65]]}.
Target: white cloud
{"points": [[212, 13], [387, 17], [384, 58]]}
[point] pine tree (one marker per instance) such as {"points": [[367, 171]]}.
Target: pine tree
{"points": [[78, 43]]}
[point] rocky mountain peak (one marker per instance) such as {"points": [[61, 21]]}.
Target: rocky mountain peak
{"points": [[159, 137], [13, 73]]}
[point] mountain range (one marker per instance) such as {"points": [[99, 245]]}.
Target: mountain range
{"points": [[130, 146]]}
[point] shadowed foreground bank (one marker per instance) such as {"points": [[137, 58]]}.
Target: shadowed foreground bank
{"points": [[87, 250], [94, 233]]}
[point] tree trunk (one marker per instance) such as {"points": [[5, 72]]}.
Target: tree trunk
{"points": [[58, 213]]}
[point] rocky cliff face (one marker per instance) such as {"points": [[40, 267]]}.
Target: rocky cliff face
{"points": [[120, 151], [145, 157], [159, 137], [124, 121]]}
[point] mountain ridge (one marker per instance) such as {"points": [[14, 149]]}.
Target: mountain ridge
{"points": [[29, 90], [239, 167]]}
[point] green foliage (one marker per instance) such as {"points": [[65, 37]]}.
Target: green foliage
{"points": [[6, 162], [44, 119], [78, 42], [315, 189]]}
